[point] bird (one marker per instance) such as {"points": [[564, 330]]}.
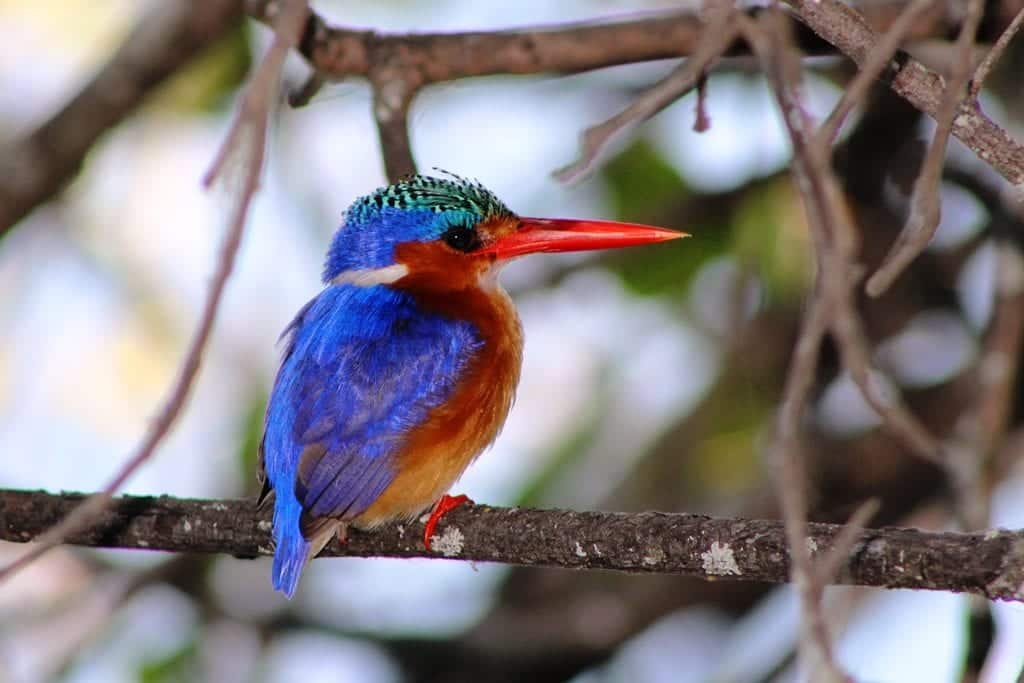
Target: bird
{"points": [[404, 367]]}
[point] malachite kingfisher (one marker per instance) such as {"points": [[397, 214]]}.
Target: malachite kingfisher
{"points": [[404, 367]]}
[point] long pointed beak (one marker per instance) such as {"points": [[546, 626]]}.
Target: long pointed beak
{"points": [[566, 234]]}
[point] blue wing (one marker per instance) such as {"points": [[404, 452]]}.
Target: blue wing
{"points": [[362, 366]]}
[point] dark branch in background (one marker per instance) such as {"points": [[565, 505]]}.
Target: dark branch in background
{"points": [[338, 52], [242, 153], [720, 33], [848, 30], [857, 89], [398, 66], [925, 210], [417, 60], [36, 167], [985, 563], [817, 186], [993, 55]]}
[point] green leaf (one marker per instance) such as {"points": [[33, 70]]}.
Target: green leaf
{"points": [[770, 237], [641, 183], [178, 666]]}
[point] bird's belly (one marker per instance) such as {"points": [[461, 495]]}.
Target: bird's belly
{"points": [[416, 487], [438, 452]]}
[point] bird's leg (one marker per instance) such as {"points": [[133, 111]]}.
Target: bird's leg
{"points": [[443, 506], [341, 533]]}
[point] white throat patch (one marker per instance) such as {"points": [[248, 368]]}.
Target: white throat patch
{"points": [[368, 277]]}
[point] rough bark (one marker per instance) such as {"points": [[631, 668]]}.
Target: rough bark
{"points": [[986, 563]]}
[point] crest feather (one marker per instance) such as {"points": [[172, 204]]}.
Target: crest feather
{"points": [[437, 194]]}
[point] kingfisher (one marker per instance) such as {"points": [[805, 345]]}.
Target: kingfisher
{"points": [[404, 367]]}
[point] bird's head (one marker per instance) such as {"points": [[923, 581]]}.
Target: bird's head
{"points": [[447, 233]]}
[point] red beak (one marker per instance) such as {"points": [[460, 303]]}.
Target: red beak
{"points": [[566, 234]]}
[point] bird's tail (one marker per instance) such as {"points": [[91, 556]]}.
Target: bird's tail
{"points": [[291, 550]]}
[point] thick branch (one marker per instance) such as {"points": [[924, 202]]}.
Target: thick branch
{"points": [[339, 52], [34, 168], [989, 563]]}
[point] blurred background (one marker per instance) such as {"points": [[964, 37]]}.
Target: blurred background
{"points": [[650, 381]]}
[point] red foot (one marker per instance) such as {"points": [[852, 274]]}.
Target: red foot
{"points": [[443, 506]]}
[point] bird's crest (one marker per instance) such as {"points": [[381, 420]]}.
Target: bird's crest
{"points": [[437, 194]]}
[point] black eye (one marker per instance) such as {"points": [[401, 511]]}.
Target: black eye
{"points": [[462, 238]]}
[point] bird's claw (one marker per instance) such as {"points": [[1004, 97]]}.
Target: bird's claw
{"points": [[443, 506]]}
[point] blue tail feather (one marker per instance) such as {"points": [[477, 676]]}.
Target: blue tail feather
{"points": [[291, 550]]}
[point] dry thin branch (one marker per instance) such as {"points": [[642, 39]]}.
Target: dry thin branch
{"points": [[850, 32], [983, 563], [857, 89], [35, 167], [436, 57], [720, 33], [38, 165], [338, 52], [245, 143], [993, 55], [835, 241], [980, 432], [701, 120], [925, 209], [771, 42]]}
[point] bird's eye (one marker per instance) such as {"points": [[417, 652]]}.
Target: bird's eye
{"points": [[462, 238]]}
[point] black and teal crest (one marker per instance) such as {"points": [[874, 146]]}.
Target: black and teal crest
{"points": [[454, 193]]}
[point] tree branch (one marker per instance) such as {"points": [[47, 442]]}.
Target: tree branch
{"points": [[339, 52], [37, 166], [986, 563], [850, 32]]}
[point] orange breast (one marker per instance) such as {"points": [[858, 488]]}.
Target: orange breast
{"points": [[438, 452]]}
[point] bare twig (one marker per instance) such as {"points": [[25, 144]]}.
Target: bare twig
{"points": [[245, 142], [993, 55], [980, 433], [878, 59], [836, 247], [984, 563], [701, 120], [925, 209], [847, 29], [772, 44], [37, 166], [720, 33]]}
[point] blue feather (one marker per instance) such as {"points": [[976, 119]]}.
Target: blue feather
{"points": [[291, 550], [362, 368]]}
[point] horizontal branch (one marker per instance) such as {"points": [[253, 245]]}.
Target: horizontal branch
{"points": [[989, 564], [339, 52]]}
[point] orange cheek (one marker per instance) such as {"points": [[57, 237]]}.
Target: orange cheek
{"points": [[435, 267]]}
